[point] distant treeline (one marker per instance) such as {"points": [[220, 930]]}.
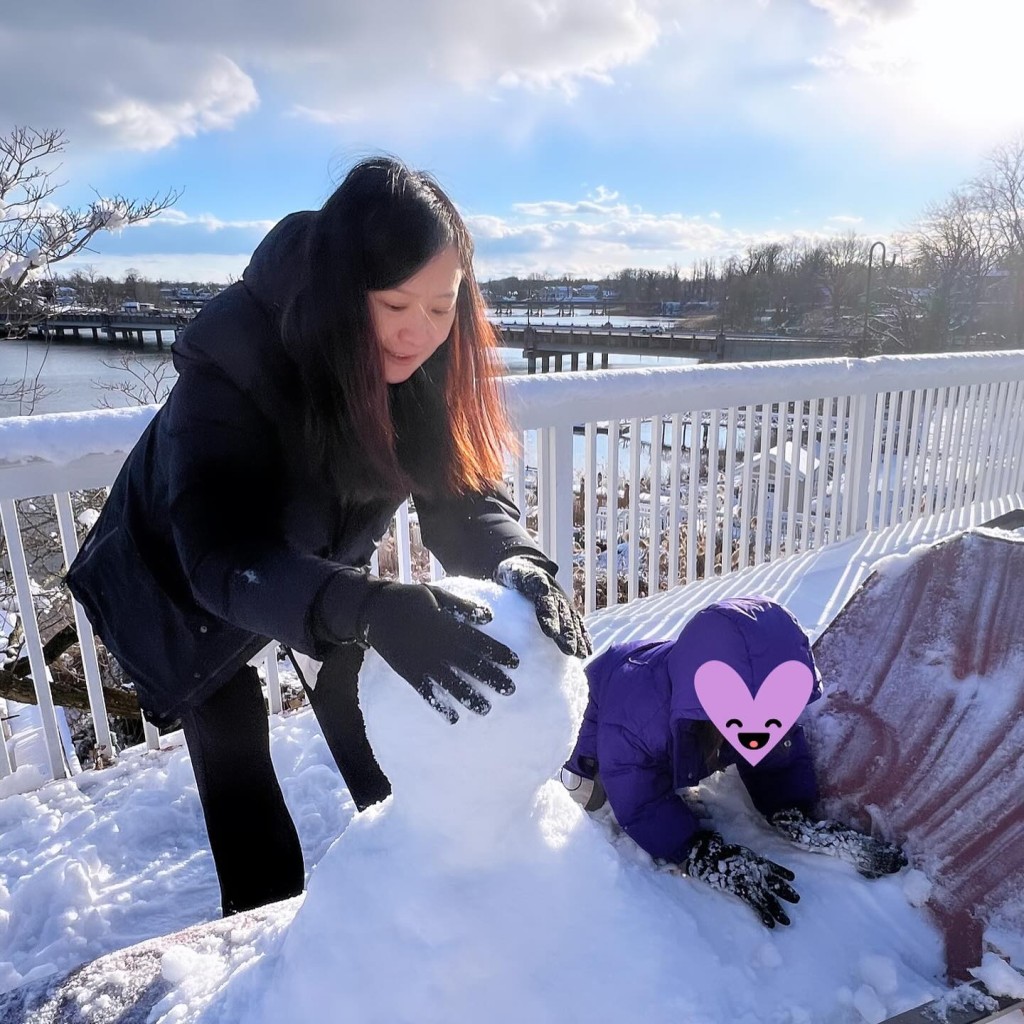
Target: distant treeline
{"points": [[957, 273], [954, 275]]}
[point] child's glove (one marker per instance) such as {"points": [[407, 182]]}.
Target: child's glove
{"points": [[871, 857], [756, 880], [555, 613]]}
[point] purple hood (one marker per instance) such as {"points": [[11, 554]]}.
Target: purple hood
{"points": [[752, 635]]}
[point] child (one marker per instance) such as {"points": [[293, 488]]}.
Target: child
{"points": [[647, 740]]}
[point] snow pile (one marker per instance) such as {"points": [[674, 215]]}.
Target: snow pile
{"points": [[113, 857], [999, 977], [480, 891], [590, 929]]}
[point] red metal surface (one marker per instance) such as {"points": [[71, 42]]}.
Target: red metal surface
{"points": [[922, 730]]}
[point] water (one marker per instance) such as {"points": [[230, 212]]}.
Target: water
{"points": [[72, 373]]}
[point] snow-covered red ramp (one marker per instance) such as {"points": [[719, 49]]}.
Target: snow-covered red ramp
{"points": [[922, 732]]}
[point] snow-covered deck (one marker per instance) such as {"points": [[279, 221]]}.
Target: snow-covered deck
{"points": [[92, 863], [109, 858]]}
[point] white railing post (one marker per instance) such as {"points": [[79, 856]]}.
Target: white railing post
{"points": [[590, 519], [87, 644], [29, 623], [633, 520], [275, 702], [862, 441], [545, 490], [561, 499], [6, 768], [403, 543]]}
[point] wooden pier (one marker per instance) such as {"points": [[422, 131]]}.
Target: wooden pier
{"points": [[570, 348], [128, 328], [545, 348]]}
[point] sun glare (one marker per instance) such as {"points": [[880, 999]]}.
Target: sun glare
{"points": [[958, 61]]}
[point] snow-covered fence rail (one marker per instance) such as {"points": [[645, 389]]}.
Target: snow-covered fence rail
{"points": [[743, 463], [753, 462]]}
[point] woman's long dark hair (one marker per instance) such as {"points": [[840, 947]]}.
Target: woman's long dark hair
{"points": [[443, 430]]}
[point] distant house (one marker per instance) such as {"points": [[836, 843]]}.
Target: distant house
{"points": [[796, 461]]}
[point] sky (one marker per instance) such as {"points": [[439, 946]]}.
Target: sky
{"points": [[577, 136], [473, 887]]}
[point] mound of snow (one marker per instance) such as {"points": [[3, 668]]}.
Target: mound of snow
{"points": [[481, 891]]}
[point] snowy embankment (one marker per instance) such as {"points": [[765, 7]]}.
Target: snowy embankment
{"points": [[480, 892]]}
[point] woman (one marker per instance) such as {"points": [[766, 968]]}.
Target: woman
{"points": [[350, 367], [648, 740]]}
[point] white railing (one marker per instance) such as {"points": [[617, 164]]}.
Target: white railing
{"points": [[788, 456], [724, 467]]}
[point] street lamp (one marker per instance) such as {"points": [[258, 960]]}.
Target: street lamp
{"points": [[867, 295]]}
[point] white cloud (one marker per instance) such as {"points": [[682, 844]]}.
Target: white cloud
{"points": [[155, 74], [903, 73], [845, 11], [221, 94], [115, 86], [557, 237], [936, 75], [178, 218], [555, 208]]}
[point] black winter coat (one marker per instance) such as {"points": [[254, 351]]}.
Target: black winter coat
{"points": [[220, 534]]}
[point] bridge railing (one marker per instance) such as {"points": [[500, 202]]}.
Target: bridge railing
{"points": [[709, 469]]}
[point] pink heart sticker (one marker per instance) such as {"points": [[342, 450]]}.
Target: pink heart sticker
{"points": [[753, 725]]}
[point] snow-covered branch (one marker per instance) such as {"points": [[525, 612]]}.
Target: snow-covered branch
{"points": [[35, 233]]}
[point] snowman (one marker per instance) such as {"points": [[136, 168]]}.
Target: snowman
{"points": [[473, 892]]}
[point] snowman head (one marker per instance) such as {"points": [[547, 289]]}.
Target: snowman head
{"points": [[469, 782]]}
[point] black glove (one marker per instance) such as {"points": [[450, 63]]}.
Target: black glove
{"points": [[738, 870], [555, 613], [424, 634], [871, 857]]}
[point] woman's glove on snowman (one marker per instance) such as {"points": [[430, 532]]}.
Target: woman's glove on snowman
{"points": [[555, 613]]}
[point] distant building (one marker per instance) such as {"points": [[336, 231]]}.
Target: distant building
{"points": [[796, 461]]}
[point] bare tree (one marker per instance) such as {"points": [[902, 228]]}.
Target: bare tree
{"points": [[842, 269], [999, 194], [36, 233], [145, 384], [956, 250]]}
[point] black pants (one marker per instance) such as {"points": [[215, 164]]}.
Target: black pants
{"points": [[255, 846]]}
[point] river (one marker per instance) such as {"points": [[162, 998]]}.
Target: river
{"points": [[79, 375]]}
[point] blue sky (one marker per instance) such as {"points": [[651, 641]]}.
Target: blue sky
{"points": [[577, 136]]}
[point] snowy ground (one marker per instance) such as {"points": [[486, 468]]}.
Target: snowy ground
{"points": [[571, 927]]}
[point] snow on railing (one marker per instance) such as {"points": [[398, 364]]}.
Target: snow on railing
{"points": [[709, 469]]}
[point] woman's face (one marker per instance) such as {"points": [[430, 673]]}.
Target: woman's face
{"points": [[413, 319]]}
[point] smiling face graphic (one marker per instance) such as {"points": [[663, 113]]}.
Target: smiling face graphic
{"points": [[753, 724], [753, 740]]}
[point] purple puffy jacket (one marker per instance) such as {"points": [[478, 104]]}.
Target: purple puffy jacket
{"points": [[640, 730]]}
